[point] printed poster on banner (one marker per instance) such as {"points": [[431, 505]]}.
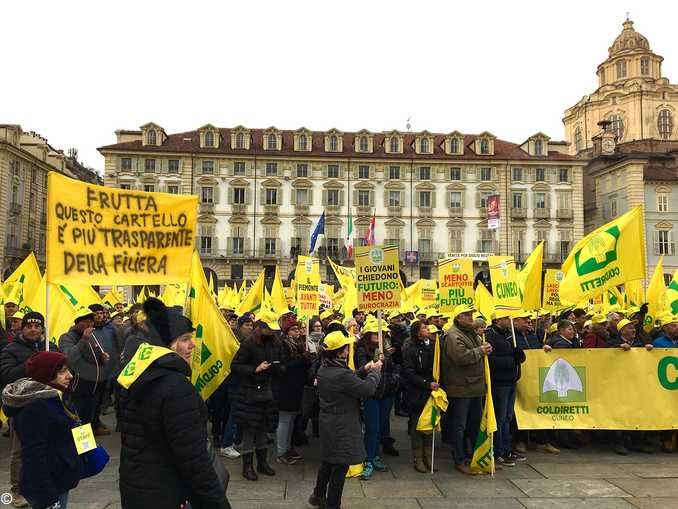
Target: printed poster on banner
{"points": [[323, 294], [551, 297], [105, 236], [505, 289], [428, 294], [493, 211], [307, 277], [456, 283], [377, 281]]}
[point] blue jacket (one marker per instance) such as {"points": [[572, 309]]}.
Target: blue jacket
{"points": [[50, 465], [664, 342]]}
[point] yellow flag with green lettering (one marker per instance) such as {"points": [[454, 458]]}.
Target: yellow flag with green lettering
{"points": [[505, 289], [605, 258], [22, 284], [656, 295]]}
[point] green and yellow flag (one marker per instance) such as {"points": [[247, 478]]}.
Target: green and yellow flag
{"points": [[22, 284], [529, 279], [672, 295], [252, 301], [656, 296], [505, 289], [606, 257], [215, 344], [483, 453], [278, 300]]}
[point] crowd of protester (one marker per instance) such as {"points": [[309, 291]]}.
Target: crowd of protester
{"points": [[328, 379]]}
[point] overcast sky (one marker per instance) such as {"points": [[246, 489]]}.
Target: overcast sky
{"points": [[76, 71]]}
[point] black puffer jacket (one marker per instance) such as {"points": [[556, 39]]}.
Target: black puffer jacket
{"points": [[417, 374], [247, 414], [14, 356], [505, 359], [164, 459], [293, 380]]}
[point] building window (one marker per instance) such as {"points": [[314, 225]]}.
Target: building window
{"points": [[237, 271], [578, 144], [126, 163], [665, 124], [485, 174], [271, 142], [149, 165], [173, 189], [149, 188], [332, 171], [239, 195], [454, 146], [424, 173], [333, 197], [564, 200], [539, 200], [425, 146], [486, 241], [644, 66], [455, 173], [271, 169], [205, 245], [484, 147], [125, 186], [240, 141], [455, 199], [207, 195], [239, 168], [662, 202], [303, 144], [602, 76], [208, 167], [617, 126], [302, 197], [209, 139], [563, 175], [425, 199], [363, 144], [271, 196], [334, 144], [302, 170], [517, 200], [621, 69], [363, 172], [483, 198], [173, 166], [269, 246], [456, 243], [394, 198], [238, 245], [151, 138], [394, 172], [613, 206], [394, 145], [517, 174], [538, 147], [663, 242], [540, 174], [424, 246], [565, 243], [363, 198]]}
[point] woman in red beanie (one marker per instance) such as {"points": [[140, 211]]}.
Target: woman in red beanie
{"points": [[51, 466]]}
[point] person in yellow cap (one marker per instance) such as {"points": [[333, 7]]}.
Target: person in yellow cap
{"points": [[340, 391], [14, 329], [326, 317], [464, 381], [597, 335]]}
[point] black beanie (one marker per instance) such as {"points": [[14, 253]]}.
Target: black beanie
{"points": [[33, 317], [167, 322]]}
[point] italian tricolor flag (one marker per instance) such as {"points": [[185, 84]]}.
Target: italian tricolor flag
{"points": [[349, 235]]}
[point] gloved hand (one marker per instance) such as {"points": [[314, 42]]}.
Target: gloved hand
{"points": [[518, 355]]}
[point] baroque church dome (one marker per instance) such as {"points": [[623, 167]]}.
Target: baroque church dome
{"points": [[628, 40]]}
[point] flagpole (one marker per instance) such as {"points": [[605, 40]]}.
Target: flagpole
{"points": [[380, 335], [433, 447], [46, 315], [513, 332]]}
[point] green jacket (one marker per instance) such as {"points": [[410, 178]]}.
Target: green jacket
{"points": [[463, 375]]}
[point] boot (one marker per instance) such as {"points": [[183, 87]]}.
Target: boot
{"points": [[262, 464], [418, 460], [247, 469], [428, 456]]}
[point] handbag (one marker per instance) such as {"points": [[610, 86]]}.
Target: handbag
{"points": [[94, 461], [260, 393]]}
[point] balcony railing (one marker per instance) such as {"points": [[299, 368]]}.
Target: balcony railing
{"points": [[565, 213], [301, 210], [206, 208], [16, 252], [239, 208], [456, 211], [542, 213], [518, 213]]}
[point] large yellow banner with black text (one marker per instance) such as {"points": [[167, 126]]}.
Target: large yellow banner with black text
{"points": [[599, 389]]}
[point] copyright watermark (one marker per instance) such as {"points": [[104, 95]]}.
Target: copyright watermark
{"points": [[6, 498]]}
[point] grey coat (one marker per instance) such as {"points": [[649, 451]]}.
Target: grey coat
{"points": [[340, 391]]}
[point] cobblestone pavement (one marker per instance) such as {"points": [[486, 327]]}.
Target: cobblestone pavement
{"points": [[588, 478]]}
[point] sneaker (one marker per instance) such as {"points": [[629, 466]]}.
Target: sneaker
{"points": [[548, 448], [379, 465], [316, 501], [292, 453], [368, 470], [505, 462], [19, 500], [517, 457], [286, 459], [520, 447], [229, 452]]}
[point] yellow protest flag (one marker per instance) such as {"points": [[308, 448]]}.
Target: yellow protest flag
{"points": [[656, 296], [529, 279], [278, 301], [671, 298], [252, 301], [22, 284], [427, 294], [106, 236], [484, 301], [174, 295], [606, 257], [505, 290], [111, 298], [63, 306], [633, 292], [215, 343], [483, 452]]}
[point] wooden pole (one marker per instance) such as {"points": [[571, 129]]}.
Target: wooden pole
{"points": [[380, 334]]}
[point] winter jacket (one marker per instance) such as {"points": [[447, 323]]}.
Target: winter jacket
{"points": [[163, 425], [464, 373], [14, 356], [527, 341], [109, 339], [595, 340], [388, 384], [293, 380], [399, 336], [261, 416], [662, 341], [558, 341], [340, 392], [504, 360], [50, 465], [84, 358], [417, 374]]}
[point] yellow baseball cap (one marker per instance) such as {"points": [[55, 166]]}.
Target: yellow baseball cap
{"points": [[667, 318], [335, 340], [623, 323], [598, 318], [328, 313], [433, 329], [553, 327], [462, 308], [17, 316], [84, 312], [587, 323], [370, 327]]}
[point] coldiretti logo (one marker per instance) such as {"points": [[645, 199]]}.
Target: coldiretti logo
{"points": [[667, 372], [598, 252], [562, 383]]}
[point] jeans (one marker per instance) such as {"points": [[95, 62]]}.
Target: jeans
{"points": [[253, 439], [375, 413], [63, 501], [86, 401], [465, 424], [230, 428], [284, 432], [330, 483], [504, 398]]}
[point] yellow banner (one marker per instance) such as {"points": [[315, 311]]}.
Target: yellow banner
{"points": [[551, 299], [378, 277], [456, 283], [307, 277], [599, 389], [505, 288], [106, 236]]}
